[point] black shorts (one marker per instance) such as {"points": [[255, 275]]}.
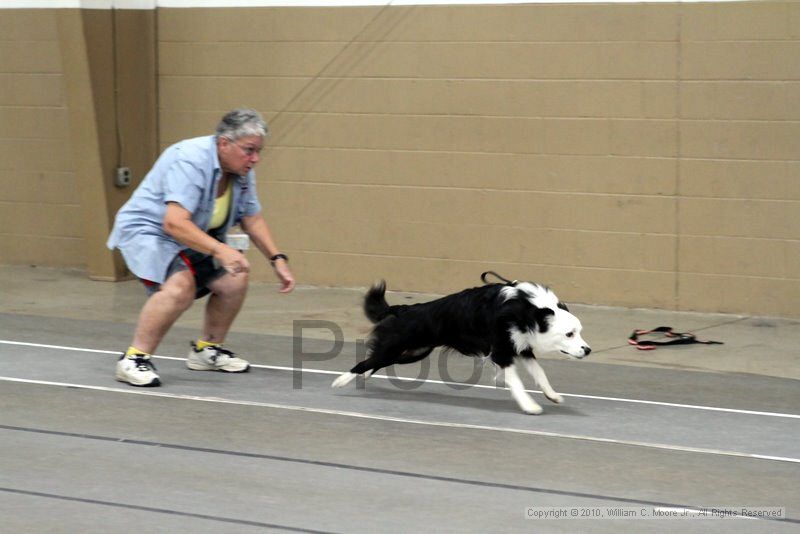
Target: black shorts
{"points": [[202, 266]]}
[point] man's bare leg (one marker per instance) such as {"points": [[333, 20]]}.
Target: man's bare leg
{"points": [[162, 309], [227, 296]]}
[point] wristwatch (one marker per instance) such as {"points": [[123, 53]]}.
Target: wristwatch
{"points": [[276, 257]]}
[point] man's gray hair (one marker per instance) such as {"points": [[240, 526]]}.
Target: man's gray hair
{"points": [[242, 122]]}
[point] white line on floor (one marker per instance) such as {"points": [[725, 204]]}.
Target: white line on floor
{"points": [[661, 446], [429, 381]]}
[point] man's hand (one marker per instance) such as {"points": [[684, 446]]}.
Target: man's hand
{"points": [[256, 227], [284, 275], [231, 259]]}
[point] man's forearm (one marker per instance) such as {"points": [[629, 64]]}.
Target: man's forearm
{"points": [[256, 227], [178, 224]]}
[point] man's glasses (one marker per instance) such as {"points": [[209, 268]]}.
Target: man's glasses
{"points": [[249, 151]]}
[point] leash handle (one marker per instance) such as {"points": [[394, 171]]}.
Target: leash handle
{"points": [[492, 273], [678, 338]]}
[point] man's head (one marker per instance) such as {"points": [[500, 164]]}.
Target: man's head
{"points": [[240, 138]]}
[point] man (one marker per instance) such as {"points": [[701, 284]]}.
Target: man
{"points": [[172, 235]]}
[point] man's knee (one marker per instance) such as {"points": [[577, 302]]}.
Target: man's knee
{"points": [[180, 288], [230, 284]]}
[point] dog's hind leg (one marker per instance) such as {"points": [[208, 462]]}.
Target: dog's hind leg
{"points": [[343, 379], [366, 368], [415, 355], [514, 383], [536, 371]]}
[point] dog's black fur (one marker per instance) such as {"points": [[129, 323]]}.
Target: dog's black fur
{"points": [[474, 322], [507, 322]]}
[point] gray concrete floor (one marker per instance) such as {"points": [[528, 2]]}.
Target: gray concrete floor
{"points": [[697, 426]]}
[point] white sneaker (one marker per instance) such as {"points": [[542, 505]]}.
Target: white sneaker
{"points": [[215, 358], [138, 371]]}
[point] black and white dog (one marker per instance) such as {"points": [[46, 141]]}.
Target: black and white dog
{"points": [[510, 323]]}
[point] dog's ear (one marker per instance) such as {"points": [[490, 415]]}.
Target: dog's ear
{"points": [[541, 318]]}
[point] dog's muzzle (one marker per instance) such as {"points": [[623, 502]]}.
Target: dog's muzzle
{"points": [[586, 351]]}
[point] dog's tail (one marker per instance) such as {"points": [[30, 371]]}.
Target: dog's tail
{"points": [[375, 306]]}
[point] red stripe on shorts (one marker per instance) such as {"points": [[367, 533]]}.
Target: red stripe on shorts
{"points": [[188, 263]]}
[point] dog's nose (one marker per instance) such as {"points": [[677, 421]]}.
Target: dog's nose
{"points": [[587, 350]]}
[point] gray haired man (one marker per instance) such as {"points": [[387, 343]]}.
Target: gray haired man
{"points": [[172, 235]]}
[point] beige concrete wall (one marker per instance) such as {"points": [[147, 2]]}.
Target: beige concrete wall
{"points": [[77, 100], [739, 175], [626, 154], [40, 220]]}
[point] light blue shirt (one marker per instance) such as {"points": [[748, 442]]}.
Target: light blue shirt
{"points": [[188, 173]]}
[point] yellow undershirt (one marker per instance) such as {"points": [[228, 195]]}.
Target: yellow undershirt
{"points": [[222, 206]]}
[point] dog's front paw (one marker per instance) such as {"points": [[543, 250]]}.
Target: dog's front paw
{"points": [[555, 397], [531, 408]]}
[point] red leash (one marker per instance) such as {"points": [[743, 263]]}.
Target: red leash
{"points": [[676, 338]]}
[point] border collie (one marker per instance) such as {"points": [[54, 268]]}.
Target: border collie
{"points": [[511, 323]]}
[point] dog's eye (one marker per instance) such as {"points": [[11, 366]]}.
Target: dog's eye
{"points": [[570, 334]]}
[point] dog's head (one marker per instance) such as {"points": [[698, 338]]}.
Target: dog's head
{"points": [[548, 326]]}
